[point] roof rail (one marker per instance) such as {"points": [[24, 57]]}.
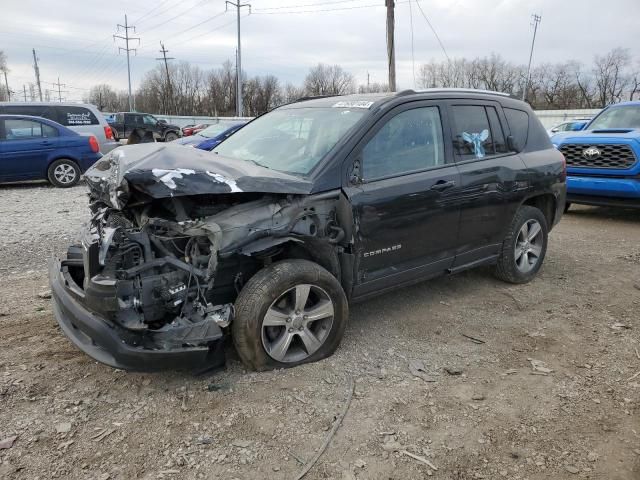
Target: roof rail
{"points": [[313, 97], [453, 90]]}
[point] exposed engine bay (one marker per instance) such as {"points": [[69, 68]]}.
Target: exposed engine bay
{"points": [[165, 266]]}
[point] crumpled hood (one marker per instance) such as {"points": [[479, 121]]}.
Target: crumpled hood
{"points": [[164, 170]]}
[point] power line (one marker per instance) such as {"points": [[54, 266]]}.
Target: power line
{"points": [[536, 20], [164, 52], [413, 56], [126, 38], [391, 47], [433, 30], [282, 7], [150, 12], [184, 12], [180, 32], [37, 70], [238, 6]]}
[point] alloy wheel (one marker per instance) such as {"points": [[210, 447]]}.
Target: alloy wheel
{"points": [[297, 323], [528, 246], [65, 173]]}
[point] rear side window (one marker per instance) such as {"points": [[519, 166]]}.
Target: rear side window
{"points": [[17, 129], [518, 125], [477, 133], [76, 116], [44, 111]]}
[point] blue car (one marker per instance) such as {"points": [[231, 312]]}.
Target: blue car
{"points": [[603, 166], [33, 148], [210, 137]]}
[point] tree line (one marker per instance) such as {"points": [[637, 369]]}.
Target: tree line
{"points": [[190, 90]]}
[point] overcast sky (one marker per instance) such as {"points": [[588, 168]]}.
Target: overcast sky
{"points": [[73, 38]]}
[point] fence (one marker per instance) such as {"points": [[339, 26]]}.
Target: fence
{"points": [[549, 118]]}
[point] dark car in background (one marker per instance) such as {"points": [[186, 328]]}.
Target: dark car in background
{"points": [[311, 206], [33, 148], [82, 118], [125, 123], [210, 137]]}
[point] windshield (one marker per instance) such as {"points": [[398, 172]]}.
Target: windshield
{"points": [[213, 130], [291, 140], [617, 117]]}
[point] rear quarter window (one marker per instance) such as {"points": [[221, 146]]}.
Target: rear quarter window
{"points": [[44, 111], [518, 121], [76, 116]]}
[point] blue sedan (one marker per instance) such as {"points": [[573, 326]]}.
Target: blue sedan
{"points": [[33, 148], [210, 137]]}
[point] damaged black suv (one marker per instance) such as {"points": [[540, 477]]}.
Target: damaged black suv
{"points": [[314, 205]]}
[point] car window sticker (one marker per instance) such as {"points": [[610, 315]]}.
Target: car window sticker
{"points": [[476, 139]]}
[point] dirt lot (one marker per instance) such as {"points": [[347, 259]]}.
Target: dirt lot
{"points": [[498, 418]]}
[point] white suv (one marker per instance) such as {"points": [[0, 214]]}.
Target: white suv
{"points": [[82, 118]]}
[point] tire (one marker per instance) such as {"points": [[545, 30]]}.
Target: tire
{"points": [[170, 137], [64, 173], [274, 290], [567, 206], [516, 261]]}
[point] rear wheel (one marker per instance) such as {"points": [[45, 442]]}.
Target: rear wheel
{"points": [[63, 173], [289, 313], [524, 247], [170, 137]]}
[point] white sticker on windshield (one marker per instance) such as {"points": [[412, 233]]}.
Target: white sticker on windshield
{"points": [[353, 104]]}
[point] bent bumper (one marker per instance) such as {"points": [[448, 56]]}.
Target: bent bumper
{"points": [[103, 341]]}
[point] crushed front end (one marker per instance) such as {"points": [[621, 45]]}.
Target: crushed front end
{"points": [[168, 248]]}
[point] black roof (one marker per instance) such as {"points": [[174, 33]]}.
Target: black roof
{"points": [[376, 99]]}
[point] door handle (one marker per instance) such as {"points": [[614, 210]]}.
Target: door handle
{"points": [[443, 185]]}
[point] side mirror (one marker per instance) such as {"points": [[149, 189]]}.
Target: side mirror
{"points": [[512, 145], [555, 130]]}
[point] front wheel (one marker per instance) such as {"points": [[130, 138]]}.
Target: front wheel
{"points": [[524, 247], [170, 137], [289, 313], [63, 173]]}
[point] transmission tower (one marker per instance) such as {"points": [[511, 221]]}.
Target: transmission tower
{"points": [[164, 52], [125, 29]]}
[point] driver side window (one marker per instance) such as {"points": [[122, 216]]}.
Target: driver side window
{"points": [[410, 141]]}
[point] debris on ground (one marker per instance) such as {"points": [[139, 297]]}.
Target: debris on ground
{"points": [[45, 294], [7, 442], [473, 339], [539, 367], [64, 427], [420, 459], [454, 370], [417, 369]]}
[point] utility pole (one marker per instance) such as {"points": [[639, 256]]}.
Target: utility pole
{"points": [[37, 70], [59, 91], [536, 20], [6, 84], [164, 52], [391, 48], [238, 6], [125, 29], [24, 89]]}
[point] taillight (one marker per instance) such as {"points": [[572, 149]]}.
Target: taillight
{"points": [[108, 132], [93, 143], [564, 166]]}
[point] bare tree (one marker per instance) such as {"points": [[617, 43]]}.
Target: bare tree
{"points": [[4, 69], [105, 98], [611, 76], [328, 80]]}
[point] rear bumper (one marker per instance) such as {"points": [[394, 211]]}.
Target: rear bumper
{"points": [[621, 188], [104, 341]]}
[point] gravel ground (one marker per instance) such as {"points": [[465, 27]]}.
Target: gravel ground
{"points": [[486, 414]]}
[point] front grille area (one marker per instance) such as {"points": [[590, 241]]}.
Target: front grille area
{"points": [[610, 157]]}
